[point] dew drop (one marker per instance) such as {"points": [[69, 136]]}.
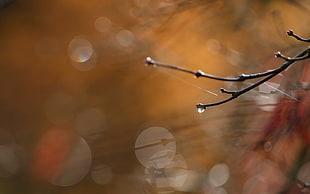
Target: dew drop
{"points": [[201, 110]]}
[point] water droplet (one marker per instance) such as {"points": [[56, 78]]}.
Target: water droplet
{"points": [[201, 109]]}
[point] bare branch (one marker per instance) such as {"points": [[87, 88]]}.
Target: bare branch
{"points": [[241, 77], [306, 56], [236, 94], [291, 33], [267, 75]]}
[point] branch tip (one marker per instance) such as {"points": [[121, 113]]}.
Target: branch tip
{"points": [[290, 33], [149, 61], [226, 91], [242, 77], [278, 54]]}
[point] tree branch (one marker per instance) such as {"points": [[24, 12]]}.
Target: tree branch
{"points": [[236, 94], [291, 33], [305, 54], [199, 73]]}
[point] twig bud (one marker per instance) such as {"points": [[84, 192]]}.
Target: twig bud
{"points": [[290, 32], [149, 61], [278, 54]]}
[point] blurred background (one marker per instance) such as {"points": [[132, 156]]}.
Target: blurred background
{"points": [[81, 113]]}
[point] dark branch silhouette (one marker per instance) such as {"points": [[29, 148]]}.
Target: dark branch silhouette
{"points": [[305, 54]]}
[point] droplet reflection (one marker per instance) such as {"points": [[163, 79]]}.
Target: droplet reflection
{"points": [[201, 110]]}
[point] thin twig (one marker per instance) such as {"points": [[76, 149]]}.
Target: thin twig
{"points": [[279, 55], [240, 78], [235, 94], [291, 33]]}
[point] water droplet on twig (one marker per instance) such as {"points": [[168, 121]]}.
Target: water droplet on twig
{"points": [[201, 109]]}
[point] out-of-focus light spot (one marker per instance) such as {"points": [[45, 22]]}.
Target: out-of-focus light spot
{"points": [[213, 46], [162, 158], [80, 50], [267, 102], [90, 122], [9, 163], [255, 185], [60, 108], [86, 66], [219, 175], [177, 172], [82, 54], [102, 174], [193, 181], [125, 38], [61, 158], [51, 153], [267, 146], [103, 24], [158, 179], [155, 146], [304, 173], [76, 166], [172, 177]]}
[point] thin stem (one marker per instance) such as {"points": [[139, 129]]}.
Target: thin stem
{"points": [[306, 56], [291, 33], [241, 77], [236, 94]]}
